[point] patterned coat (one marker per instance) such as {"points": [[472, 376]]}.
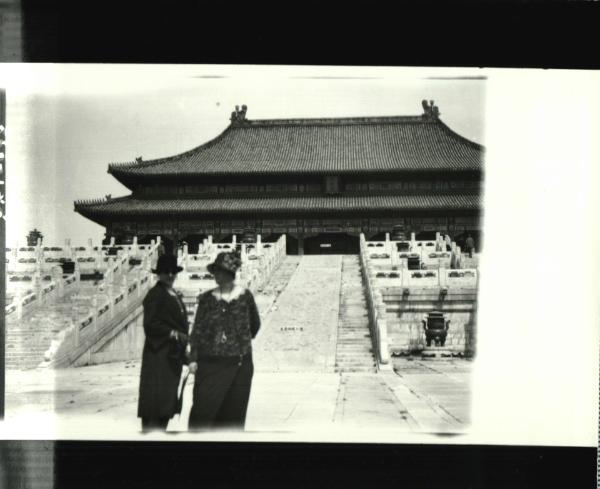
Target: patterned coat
{"points": [[163, 358], [224, 329]]}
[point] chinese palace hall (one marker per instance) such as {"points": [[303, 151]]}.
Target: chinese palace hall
{"points": [[321, 182]]}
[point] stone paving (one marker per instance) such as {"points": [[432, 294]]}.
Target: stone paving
{"points": [[295, 387], [88, 401]]}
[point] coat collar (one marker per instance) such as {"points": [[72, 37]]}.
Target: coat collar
{"points": [[162, 286], [235, 293]]}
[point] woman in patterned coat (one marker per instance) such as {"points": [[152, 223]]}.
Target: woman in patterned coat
{"points": [[226, 321]]}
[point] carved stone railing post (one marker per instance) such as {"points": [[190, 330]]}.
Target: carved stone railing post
{"points": [[259, 248], [243, 255], [394, 255], [94, 313], [111, 300], [76, 332]]}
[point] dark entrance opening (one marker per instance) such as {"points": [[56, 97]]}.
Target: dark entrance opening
{"points": [[377, 237], [271, 238], [145, 239], [331, 244], [193, 241], [425, 236], [169, 245], [291, 245], [462, 238]]}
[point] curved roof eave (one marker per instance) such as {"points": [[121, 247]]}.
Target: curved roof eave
{"points": [[129, 172]]}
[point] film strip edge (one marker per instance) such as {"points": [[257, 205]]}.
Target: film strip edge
{"points": [[3, 244]]}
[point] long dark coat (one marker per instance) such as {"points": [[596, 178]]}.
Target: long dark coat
{"points": [[161, 368]]}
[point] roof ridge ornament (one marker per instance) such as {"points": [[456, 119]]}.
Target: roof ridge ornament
{"points": [[238, 115], [430, 110]]}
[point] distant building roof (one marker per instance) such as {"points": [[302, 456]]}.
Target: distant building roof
{"points": [[322, 146], [129, 206]]}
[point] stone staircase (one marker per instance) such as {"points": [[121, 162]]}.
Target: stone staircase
{"points": [[25, 350], [30, 337], [354, 352]]}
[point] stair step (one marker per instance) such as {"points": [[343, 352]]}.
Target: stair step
{"points": [[354, 346]]}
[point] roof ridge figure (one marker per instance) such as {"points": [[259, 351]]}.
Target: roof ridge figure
{"points": [[239, 115], [430, 110]]}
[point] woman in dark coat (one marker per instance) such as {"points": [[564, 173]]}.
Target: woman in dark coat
{"points": [[166, 330], [226, 321]]}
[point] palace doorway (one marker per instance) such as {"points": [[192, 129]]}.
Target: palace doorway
{"points": [[193, 241], [331, 244]]}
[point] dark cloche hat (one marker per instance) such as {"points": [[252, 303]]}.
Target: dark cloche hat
{"points": [[228, 261], [167, 264]]}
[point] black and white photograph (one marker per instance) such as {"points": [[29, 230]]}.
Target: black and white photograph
{"points": [[296, 253]]}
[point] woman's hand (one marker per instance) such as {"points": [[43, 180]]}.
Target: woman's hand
{"points": [[177, 336], [193, 367]]}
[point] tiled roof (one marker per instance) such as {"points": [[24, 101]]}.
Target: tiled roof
{"points": [[129, 206], [346, 145]]}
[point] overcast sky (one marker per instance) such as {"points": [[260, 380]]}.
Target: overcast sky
{"points": [[67, 123]]}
